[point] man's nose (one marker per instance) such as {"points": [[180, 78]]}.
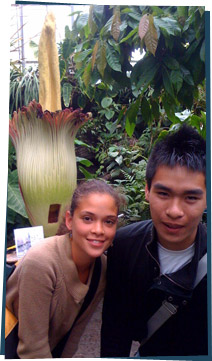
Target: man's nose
{"points": [[175, 208]]}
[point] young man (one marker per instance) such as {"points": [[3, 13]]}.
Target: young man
{"points": [[154, 262]]}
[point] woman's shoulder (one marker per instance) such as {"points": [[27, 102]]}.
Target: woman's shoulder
{"points": [[44, 254]]}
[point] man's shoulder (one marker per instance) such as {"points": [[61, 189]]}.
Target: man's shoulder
{"points": [[134, 231]]}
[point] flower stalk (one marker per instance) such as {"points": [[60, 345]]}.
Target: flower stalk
{"points": [[43, 136]]}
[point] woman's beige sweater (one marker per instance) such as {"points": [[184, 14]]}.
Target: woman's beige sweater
{"points": [[45, 294]]}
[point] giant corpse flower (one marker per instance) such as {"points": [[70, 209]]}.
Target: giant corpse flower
{"points": [[43, 136], [46, 161]]}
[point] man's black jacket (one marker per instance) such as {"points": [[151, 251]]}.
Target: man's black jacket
{"points": [[135, 290]]}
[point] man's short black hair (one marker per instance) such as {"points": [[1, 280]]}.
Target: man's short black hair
{"points": [[184, 147]]}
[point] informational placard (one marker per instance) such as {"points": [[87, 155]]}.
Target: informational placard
{"points": [[26, 238]]}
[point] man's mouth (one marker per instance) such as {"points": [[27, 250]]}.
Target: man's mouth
{"points": [[173, 226]]}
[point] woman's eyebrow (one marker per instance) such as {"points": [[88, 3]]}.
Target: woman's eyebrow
{"points": [[93, 214]]}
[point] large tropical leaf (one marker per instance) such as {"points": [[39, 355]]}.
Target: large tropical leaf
{"points": [[170, 62], [66, 92], [101, 58], [82, 21], [91, 21], [95, 49], [113, 58], [14, 199], [176, 79], [146, 111], [167, 82], [131, 117], [151, 37], [116, 23], [106, 102], [167, 25], [143, 26], [79, 57], [144, 72], [129, 35], [87, 74]]}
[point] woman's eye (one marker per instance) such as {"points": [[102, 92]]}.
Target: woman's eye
{"points": [[110, 222], [87, 219]]}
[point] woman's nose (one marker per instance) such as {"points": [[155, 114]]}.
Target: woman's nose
{"points": [[98, 228]]}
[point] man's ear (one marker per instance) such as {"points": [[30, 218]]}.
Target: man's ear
{"points": [[68, 220], [146, 193]]}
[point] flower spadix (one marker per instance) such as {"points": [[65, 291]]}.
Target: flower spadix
{"points": [[46, 162]]}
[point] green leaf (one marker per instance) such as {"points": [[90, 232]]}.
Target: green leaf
{"points": [[67, 48], [145, 110], [14, 199], [155, 109], [106, 28], [119, 159], [86, 174], [94, 53], [106, 102], [167, 25], [170, 108], [187, 77], [171, 63], [79, 57], [91, 21], [131, 33], [113, 59], [101, 58], [84, 161], [62, 66], [177, 79], [111, 126], [81, 101], [167, 82], [82, 21], [131, 117], [202, 52], [129, 127], [87, 74], [109, 114], [66, 92], [144, 72], [80, 143]]}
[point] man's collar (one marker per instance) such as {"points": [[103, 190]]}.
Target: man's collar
{"points": [[183, 278]]}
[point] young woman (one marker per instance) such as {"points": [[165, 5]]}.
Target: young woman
{"points": [[47, 289]]}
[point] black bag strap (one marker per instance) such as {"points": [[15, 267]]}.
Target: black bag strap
{"points": [[57, 351], [167, 309]]}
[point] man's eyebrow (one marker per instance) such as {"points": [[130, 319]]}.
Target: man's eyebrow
{"points": [[161, 187], [195, 191]]}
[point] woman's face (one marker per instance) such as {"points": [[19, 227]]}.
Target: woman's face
{"points": [[93, 226]]}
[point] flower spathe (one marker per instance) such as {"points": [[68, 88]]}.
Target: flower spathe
{"points": [[46, 161]]}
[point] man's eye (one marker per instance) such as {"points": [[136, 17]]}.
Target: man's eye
{"points": [[192, 198], [163, 194]]}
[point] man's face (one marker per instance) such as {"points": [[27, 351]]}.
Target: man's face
{"points": [[177, 199]]}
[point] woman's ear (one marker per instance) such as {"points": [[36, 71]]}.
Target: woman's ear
{"points": [[68, 220], [146, 193]]}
